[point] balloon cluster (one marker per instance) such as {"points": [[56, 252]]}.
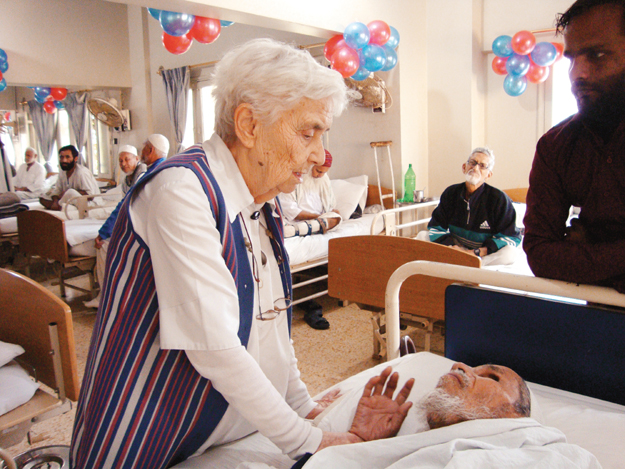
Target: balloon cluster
{"points": [[522, 60], [51, 98], [363, 49], [4, 66], [179, 29]]}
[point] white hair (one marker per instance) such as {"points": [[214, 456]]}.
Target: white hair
{"points": [[272, 77], [488, 152]]}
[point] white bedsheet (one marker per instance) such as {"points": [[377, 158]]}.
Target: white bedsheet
{"points": [[595, 425], [305, 248]]}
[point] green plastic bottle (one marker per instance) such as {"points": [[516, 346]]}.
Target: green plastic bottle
{"points": [[409, 185]]}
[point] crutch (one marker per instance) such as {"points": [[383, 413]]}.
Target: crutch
{"points": [[375, 146]]}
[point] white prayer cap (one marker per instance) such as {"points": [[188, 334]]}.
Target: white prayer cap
{"points": [[159, 142], [128, 149]]}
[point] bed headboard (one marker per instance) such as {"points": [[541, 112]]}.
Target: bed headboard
{"points": [[575, 347], [517, 195], [26, 310]]}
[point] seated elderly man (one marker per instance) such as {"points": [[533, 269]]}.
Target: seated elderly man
{"points": [[475, 217], [30, 178], [74, 180], [191, 346], [133, 168], [474, 417]]}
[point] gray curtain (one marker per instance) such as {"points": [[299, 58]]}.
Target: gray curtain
{"points": [[45, 129], [176, 83], [76, 107]]}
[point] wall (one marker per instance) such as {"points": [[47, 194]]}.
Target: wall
{"points": [[65, 43]]}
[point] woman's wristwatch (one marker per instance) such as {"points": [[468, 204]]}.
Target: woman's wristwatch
{"points": [[476, 251]]}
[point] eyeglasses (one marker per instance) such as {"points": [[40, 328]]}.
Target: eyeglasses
{"points": [[473, 163], [281, 304]]}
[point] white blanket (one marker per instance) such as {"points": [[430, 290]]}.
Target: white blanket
{"points": [[493, 443]]}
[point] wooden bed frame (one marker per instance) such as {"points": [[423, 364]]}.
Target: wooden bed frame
{"points": [[42, 234], [41, 323], [359, 269]]}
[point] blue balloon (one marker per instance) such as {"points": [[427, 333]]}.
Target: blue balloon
{"points": [[59, 104], [518, 65], [361, 74], [39, 99], [373, 57], [42, 92], [502, 46], [544, 54], [393, 40], [225, 24], [356, 35], [391, 58], [4, 66], [3, 56], [156, 14], [3, 84], [176, 24], [514, 86]]}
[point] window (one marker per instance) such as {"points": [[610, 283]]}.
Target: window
{"points": [[189, 136], [562, 100], [208, 111]]}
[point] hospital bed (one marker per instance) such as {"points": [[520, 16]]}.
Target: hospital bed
{"points": [[570, 353]]}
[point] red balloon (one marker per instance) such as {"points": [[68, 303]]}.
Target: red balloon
{"points": [[345, 61], [58, 93], [523, 42], [499, 65], [0, 75], [537, 74], [559, 50], [49, 98], [176, 44], [205, 30], [49, 107], [334, 43], [379, 32], [7, 116]]}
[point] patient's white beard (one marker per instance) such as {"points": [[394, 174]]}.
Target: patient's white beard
{"points": [[311, 184], [472, 177], [442, 409]]}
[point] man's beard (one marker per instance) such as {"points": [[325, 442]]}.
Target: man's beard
{"points": [[442, 409], [67, 166], [608, 107], [310, 183], [472, 177]]}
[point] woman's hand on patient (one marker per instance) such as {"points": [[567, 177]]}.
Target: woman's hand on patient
{"points": [[378, 415], [324, 403]]}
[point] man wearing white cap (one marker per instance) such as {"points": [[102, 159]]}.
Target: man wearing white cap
{"points": [[153, 153], [30, 179]]}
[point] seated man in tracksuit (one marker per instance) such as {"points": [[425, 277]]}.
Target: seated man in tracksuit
{"points": [[475, 217]]}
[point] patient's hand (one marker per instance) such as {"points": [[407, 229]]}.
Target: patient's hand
{"points": [[378, 415], [324, 403]]}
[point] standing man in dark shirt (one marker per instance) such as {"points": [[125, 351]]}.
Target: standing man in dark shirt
{"points": [[581, 161]]}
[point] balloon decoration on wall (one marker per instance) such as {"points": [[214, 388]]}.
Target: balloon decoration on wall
{"points": [[180, 29], [4, 66], [521, 59], [362, 49], [51, 98]]}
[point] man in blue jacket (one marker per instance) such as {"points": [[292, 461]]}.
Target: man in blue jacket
{"points": [[475, 217]]}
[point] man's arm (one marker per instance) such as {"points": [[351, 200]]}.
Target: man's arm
{"points": [[505, 229], [438, 226], [549, 252]]}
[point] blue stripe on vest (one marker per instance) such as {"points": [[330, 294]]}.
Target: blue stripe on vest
{"points": [[173, 409]]}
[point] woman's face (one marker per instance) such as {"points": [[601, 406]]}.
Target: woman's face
{"points": [[286, 149]]}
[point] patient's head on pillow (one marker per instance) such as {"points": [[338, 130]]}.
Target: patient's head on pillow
{"points": [[483, 392]]}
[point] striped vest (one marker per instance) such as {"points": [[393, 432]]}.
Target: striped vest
{"points": [[140, 406]]}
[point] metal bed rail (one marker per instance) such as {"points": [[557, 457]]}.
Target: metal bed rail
{"points": [[391, 228], [523, 283]]}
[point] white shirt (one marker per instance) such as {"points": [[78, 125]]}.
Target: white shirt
{"points": [[80, 180], [33, 178], [199, 310], [313, 195]]}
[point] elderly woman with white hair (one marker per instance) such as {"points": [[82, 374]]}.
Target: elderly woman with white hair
{"points": [[191, 346]]}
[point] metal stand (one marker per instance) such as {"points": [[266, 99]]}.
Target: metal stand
{"points": [[375, 146]]}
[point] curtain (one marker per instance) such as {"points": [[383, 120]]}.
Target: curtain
{"points": [[76, 107], [6, 175], [45, 130], [176, 83]]}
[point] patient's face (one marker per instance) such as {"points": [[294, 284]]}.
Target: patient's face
{"points": [[128, 162], [465, 393], [318, 171]]}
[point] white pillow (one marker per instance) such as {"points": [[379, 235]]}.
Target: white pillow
{"points": [[362, 180], [8, 352], [520, 213], [16, 387], [349, 195]]}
